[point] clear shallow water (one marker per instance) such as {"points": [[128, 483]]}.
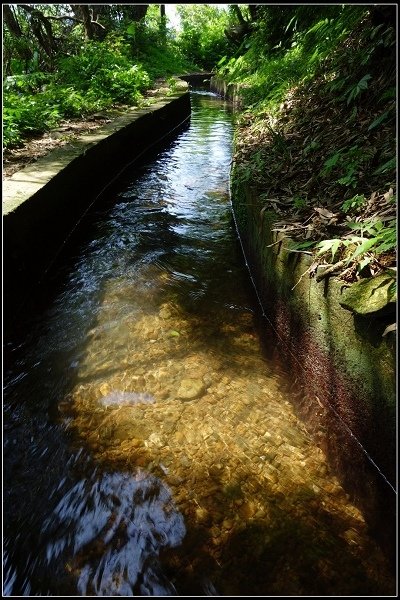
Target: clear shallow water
{"points": [[150, 446]]}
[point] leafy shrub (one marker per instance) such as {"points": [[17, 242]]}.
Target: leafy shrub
{"points": [[202, 39], [105, 68], [96, 78], [24, 115]]}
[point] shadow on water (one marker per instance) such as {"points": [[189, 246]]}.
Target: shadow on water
{"points": [[150, 447], [122, 534], [285, 555]]}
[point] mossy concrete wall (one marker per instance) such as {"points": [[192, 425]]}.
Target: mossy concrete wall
{"points": [[43, 203], [230, 91], [344, 370]]}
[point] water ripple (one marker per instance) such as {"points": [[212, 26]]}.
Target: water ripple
{"points": [[112, 531]]}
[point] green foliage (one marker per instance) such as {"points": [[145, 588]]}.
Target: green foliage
{"points": [[354, 203], [299, 202], [79, 76], [380, 239], [376, 122], [100, 75], [26, 83], [202, 39], [169, 60], [354, 91], [388, 166], [287, 47], [269, 84], [22, 115], [348, 162], [328, 246], [326, 75], [106, 69]]}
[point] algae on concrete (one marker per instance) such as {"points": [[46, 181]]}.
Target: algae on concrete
{"points": [[371, 295]]}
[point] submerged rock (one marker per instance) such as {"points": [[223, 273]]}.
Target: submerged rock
{"points": [[190, 389], [117, 398]]}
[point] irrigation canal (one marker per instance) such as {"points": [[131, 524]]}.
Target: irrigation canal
{"points": [[150, 444]]}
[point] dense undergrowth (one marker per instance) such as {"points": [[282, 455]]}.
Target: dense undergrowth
{"points": [[54, 71], [103, 74], [316, 133]]}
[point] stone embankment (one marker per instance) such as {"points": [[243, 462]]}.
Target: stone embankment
{"points": [[344, 364]]}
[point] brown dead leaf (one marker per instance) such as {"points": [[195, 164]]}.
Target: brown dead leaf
{"points": [[389, 328], [388, 194], [324, 213]]}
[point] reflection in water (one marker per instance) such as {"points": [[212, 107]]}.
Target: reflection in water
{"points": [[149, 362], [113, 528]]}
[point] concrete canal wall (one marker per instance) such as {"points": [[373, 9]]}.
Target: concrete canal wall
{"points": [[342, 365], [43, 203], [230, 91], [341, 362]]}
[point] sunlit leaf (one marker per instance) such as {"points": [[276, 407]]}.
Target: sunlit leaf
{"points": [[364, 247], [335, 247], [387, 166], [364, 262], [302, 245], [327, 245]]}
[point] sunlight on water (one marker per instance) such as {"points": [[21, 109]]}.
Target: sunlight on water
{"points": [[208, 483]]}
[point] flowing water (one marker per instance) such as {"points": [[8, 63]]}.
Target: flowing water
{"points": [[150, 447]]}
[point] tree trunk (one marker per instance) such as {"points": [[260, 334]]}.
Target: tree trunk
{"points": [[81, 11], [11, 21], [137, 12], [41, 28], [239, 15], [236, 33], [253, 10], [163, 24]]}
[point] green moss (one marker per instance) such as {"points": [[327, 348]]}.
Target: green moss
{"points": [[370, 295]]}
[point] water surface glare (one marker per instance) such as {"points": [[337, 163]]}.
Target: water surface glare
{"points": [[150, 447]]}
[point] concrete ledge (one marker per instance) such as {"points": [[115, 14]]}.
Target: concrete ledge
{"points": [[43, 203]]}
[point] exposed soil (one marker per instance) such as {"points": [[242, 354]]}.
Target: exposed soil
{"points": [[39, 145]]}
